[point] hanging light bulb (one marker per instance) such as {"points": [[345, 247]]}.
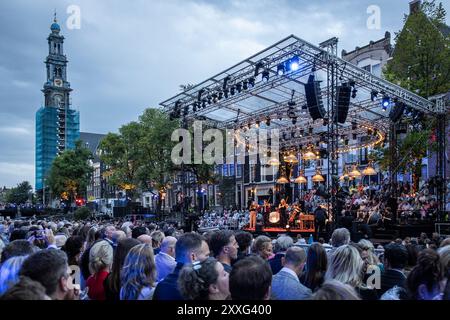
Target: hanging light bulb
{"points": [[318, 177], [282, 180], [291, 159], [273, 162], [301, 178], [355, 172], [369, 171], [309, 154]]}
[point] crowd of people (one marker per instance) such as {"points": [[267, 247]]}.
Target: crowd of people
{"points": [[135, 260]]}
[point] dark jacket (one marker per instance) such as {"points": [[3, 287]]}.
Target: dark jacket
{"points": [[391, 278], [168, 288], [275, 262]]}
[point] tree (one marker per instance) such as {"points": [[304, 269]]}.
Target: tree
{"points": [[70, 173], [122, 156], [20, 194], [421, 59]]}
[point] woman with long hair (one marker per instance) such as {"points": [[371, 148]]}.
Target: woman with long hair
{"points": [[316, 266], [205, 280], [138, 274], [426, 281], [112, 282]]}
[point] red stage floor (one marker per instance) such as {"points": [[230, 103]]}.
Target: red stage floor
{"points": [[282, 230]]}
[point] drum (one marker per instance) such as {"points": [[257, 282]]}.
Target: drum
{"points": [[274, 217]]}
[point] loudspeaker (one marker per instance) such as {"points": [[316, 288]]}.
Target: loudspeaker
{"points": [[397, 111], [342, 103], [314, 99]]}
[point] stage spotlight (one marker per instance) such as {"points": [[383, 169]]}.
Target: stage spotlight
{"points": [[281, 69], [294, 120], [220, 95], [284, 136], [268, 121], [304, 109], [239, 87], [257, 123], [200, 92], [325, 121], [258, 66], [265, 75], [209, 99], [310, 130], [355, 136], [225, 82], [294, 64], [354, 91], [302, 132], [373, 95], [232, 91], [225, 93], [354, 125], [385, 102], [204, 103], [245, 85], [215, 98], [346, 142], [251, 82], [194, 107]]}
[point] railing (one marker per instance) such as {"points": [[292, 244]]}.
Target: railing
{"points": [[442, 225]]}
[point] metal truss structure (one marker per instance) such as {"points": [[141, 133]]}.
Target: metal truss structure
{"points": [[253, 93]]}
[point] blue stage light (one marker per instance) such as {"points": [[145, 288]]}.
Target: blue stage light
{"points": [[281, 69], [385, 102], [294, 64]]}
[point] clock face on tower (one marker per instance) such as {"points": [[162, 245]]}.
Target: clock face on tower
{"points": [[58, 82]]}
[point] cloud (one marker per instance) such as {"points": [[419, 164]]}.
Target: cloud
{"points": [[130, 55]]}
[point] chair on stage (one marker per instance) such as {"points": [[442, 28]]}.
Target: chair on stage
{"points": [[307, 222]]}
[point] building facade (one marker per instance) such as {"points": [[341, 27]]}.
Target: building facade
{"points": [[57, 124]]}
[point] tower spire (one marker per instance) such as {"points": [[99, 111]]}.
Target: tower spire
{"points": [[54, 17]]}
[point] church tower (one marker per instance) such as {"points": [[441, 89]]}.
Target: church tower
{"points": [[57, 125]]}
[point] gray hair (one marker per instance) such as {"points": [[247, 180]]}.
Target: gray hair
{"points": [[283, 243], [295, 256], [100, 256], [346, 266], [340, 237]]}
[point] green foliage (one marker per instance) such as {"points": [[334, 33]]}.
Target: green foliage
{"points": [[70, 172], [139, 155], [19, 194], [82, 213], [421, 59]]}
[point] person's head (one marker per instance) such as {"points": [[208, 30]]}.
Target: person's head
{"points": [[123, 247], [425, 281], [168, 245], [316, 264], [445, 242], [250, 279], [223, 245], [346, 266], [191, 247], [283, 243], [109, 232], [72, 248], [18, 248], [368, 252], [9, 272], [118, 235], [295, 259], [395, 256], [145, 238], [335, 290], [18, 234], [25, 289], [340, 237], [205, 280], [139, 230], [262, 246], [50, 268], [138, 271], [244, 240], [157, 238], [100, 257], [444, 254]]}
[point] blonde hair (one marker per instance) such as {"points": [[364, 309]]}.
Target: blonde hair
{"points": [[366, 245], [346, 266], [100, 256], [444, 255]]}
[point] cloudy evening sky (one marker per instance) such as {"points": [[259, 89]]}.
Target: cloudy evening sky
{"points": [[130, 55]]}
